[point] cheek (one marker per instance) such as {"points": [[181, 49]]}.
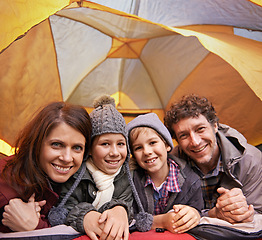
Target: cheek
{"points": [[44, 157], [182, 143], [79, 158], [138, 156], [124, 152]]}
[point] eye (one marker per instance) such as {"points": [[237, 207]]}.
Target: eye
{"points": [[104, 144], [152, 142], [56, 144], [182, 136], [78, 148], [121, 144], [201, 129], [137, 148]]}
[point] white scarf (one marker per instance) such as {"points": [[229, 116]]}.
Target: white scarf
{"points": [[104, 183]]}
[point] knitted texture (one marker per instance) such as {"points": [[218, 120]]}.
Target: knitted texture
{"points": [[57, 215], [143, 219], [106, 119], [151, 120]]}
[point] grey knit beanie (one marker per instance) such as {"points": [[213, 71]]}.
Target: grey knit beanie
{"points": [[151, 120], [106, 119]]}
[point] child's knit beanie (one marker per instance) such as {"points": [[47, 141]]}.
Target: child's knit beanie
{"points": [[106, 119], [151, 120]]}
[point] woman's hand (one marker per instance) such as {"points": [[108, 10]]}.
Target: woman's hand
{"points": [[22, 216]]}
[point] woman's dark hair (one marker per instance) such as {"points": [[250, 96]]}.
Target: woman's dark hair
{"points": [[23, 171], [189, 106]]}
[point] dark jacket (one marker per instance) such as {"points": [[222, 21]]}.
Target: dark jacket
{"points": [[189, 182], [7, 193], [80, 202]]}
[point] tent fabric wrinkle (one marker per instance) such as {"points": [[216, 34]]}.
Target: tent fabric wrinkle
{"points": [[146, 54]]}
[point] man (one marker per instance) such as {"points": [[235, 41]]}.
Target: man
{"points": [[230, 169]]}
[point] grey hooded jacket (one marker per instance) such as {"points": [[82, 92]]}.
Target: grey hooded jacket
{"points": [[242, 164]]}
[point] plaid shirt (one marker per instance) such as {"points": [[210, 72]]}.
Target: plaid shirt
{"points": [[161, 195], [210, 183]]}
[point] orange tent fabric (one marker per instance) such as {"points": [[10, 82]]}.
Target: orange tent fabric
{"points": [[77, 52]]}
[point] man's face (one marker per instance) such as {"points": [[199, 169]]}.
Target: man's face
{"points": [[197, 138]]}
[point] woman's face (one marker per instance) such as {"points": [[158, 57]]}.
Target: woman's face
{"points": [[109, 152], [62, 152]]}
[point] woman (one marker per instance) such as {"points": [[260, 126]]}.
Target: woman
{"points": [[49, 150]]}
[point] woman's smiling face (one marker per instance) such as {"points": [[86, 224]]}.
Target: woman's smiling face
{"points": [[62, 152]]}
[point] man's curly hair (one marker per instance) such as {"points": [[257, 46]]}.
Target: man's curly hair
{"points": [[189, 106]]}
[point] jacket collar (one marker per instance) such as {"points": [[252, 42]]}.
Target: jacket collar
{"points": [[232, 145]]}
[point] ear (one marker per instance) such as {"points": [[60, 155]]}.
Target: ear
{"points": [[216, 127], [168, 148]]}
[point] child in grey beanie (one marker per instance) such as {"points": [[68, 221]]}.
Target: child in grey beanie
{"points": [[167, 187], [102, 202]]}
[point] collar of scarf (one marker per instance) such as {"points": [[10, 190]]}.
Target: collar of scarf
{"points": [[104, 183]]}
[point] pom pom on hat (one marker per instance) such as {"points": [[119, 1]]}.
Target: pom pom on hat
{"points": [[144, 221], [57, 216], [103, 100]]}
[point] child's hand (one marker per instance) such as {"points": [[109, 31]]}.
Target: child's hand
{"points": [[164, 221], [22, 216], [185, 218], [92, 226], [116, 224]]}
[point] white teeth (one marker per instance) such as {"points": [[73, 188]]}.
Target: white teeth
{"points": [[112, 162], [150, 161], [199, 150], [62, 169]]}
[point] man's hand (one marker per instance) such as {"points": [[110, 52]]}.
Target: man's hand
{"points": [[232, 206], [116, 224], [21, 216]]}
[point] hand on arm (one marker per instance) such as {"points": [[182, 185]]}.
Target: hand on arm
{"points": [[21, 216], [91, 225], [185, 218], [164, 221], [232, 206], [116, 224], [180, 220]]}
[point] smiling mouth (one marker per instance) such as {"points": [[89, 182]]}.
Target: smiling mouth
{"points": [[112, 162], [61, 169], [199, 150], [151, 160]]}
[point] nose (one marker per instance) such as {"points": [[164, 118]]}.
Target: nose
{"points": [[113, 150], [195, 139], [147, 150], [66, 155]]}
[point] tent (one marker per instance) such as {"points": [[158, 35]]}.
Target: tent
{"points": [[146, 54]]}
